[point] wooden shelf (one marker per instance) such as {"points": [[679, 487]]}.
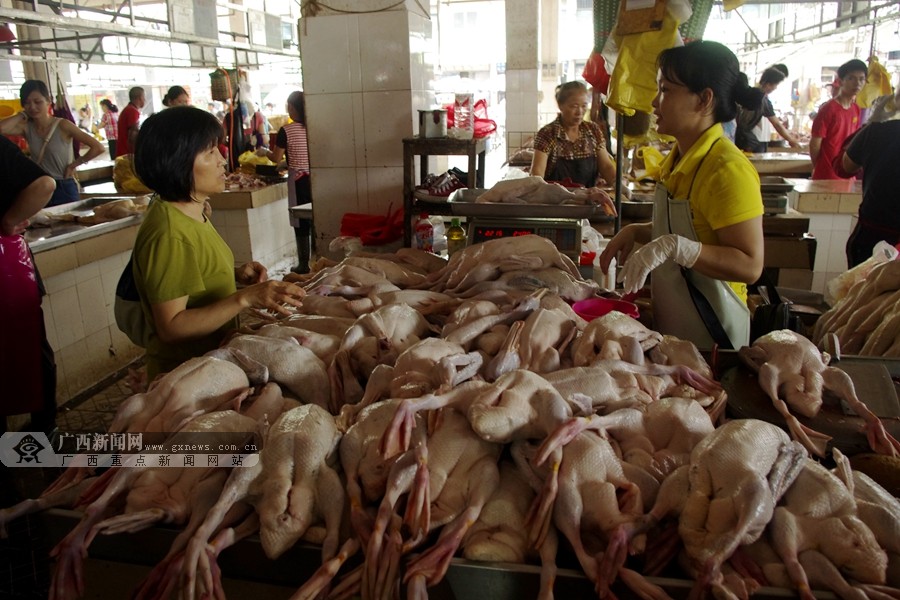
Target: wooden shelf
{"points": [[425, 147]]}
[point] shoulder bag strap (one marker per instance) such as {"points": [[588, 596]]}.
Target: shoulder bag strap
{"points": [[53, 127]]}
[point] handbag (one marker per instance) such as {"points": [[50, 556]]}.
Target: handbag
{"points": [[127, 309]]}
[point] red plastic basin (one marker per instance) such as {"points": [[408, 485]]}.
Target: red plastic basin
{"points": [[593, 308]]}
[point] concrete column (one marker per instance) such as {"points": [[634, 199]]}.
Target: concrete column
{"points": [[365, 76], [523, 68]]}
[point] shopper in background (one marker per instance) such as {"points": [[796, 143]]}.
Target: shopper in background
{"points": [[706, 235], [748, 120], [183, 269], [836, 120], [291, 144], [176, 96], [86, 118], [110, 124], [130, 122], [259, 136], [875, 149], [50, 140], [571, 148], [27, 367]]}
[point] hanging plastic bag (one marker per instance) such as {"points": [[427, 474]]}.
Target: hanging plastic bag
{"points": [[837, 288], [20, 343], [878, 83], [595, 72], [632, 85]]}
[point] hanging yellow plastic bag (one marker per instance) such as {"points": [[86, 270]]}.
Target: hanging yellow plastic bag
{"points": [[878, 83], [632, 85], [652, 158]]}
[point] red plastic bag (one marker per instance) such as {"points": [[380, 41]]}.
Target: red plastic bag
{"points": [[20, 341], [483, 125], [595, 72], [373, 230]]}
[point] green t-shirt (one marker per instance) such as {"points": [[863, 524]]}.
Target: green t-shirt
{"points": [[176, 256]]}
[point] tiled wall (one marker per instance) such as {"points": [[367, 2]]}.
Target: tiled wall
{"points": [[81, 326], [263, 234], [365, 76], [831, 233]]}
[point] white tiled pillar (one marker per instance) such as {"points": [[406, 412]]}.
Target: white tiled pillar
{"points": [[523, 65], [365, 76]]}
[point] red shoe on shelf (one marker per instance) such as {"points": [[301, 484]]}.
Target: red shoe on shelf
{"points": [[440, 189]]}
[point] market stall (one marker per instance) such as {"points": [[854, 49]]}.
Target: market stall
{"points": [[402, 349]]}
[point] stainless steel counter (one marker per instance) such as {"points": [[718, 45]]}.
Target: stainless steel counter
{"points": [[62, 233]]}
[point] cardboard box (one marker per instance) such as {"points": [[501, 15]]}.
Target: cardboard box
{"points": [[790, 253]]}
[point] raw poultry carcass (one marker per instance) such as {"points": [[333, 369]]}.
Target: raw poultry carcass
{"points": [[197, 386], [347, 280], [554, 279], [294, 488], [296, 368], [882, 279], [657, 438], [816, 532], [459, 470], [395, 272], [878, 509], [727, 495], [473, 318], [791, 365], [327, 306], [594, 505], [539, 343], [156, 494], [489, 260], [324, 324], [424, 301], [534, 190], [322, 345], [432, 365], [614, 335], [376, 338]]}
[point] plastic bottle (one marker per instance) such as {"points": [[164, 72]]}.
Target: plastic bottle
{"points": [[424, 232], [456, 237], [438, 237]]}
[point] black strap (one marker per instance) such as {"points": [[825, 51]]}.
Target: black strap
{"points": [[707, 314]]}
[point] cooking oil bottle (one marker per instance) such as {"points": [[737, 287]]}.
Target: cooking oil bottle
{"points": [[456, 237]]}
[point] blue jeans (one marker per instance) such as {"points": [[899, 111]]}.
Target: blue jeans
{"points": [[66, 191]]}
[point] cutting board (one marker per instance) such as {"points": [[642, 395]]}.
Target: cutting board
{"points": [[874, 386]]}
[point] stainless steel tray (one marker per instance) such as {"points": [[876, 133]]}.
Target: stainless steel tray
{"points": [[462, 204]]}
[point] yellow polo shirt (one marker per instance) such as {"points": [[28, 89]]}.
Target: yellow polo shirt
{"points": [[725, 186]]}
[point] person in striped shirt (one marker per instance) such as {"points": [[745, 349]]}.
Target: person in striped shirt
{"points": [[290, 143]]}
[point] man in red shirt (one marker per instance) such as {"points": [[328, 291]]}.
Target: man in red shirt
{"points": [[129, 121], [836, 120]]}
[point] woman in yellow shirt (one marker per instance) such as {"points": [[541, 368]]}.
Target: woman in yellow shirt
{"points": [[706, 235]]}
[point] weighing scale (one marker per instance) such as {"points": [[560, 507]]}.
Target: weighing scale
{"points": [[564, 233]]}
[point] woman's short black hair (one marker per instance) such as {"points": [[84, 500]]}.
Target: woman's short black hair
{"points": [[296, 101], [568, 89], [167, 144], [34, 85], [704, 65], [174, 93]]}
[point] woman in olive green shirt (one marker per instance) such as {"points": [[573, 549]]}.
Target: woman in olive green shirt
{"points": [[183, 269]]}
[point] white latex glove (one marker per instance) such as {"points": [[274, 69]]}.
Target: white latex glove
{"points": [[683, 251]]}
